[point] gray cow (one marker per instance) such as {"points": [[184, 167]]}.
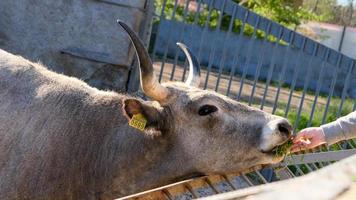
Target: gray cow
{"points": [[62, 139]]}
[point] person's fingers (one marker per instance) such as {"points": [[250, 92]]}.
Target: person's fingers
{"points": [[299, 147], [302, 143], [296, 149], [304, 138], [300, 135], [308, 133], [305, 144], [307, 138], [316, 143], [305, 141]]}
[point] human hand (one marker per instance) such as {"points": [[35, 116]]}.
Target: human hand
{"points": [[308, 138]]}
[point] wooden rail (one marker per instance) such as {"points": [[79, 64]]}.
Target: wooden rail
{"points": [[209, 183]]}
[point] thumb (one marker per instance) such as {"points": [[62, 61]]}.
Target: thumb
{"points": [[299, 136]]}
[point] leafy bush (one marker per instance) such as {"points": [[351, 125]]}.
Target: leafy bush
{"points": [[317, 118], [281, 11]]}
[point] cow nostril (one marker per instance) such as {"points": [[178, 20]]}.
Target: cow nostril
{"points": [[285, 128]]}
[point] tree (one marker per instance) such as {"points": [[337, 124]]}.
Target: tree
{"points": [[290, 13], [287, 12], [331, 12]]}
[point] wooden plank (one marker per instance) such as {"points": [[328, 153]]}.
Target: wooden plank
{"points": [[335, 181], [349, 193], [177, 188]]}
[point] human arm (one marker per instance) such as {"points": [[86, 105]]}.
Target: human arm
{"points": [[342, 129]]}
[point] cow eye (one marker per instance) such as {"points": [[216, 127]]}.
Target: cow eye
{"points": [[207, 109]]}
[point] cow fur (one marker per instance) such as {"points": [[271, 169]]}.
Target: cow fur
{"points": [[62, 139]]}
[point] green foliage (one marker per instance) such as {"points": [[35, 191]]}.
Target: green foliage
{"points": [[281, 11], [285, 12], [318, 113], [283, 149], [317, 121], [326, 10]]}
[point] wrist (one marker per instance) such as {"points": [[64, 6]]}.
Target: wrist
{"points": [[332, 132], [322, 134]]}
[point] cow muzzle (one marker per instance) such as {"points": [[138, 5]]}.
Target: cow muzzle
{"points": [[275, 133]]}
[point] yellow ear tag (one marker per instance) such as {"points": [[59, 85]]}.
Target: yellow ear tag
{"points": [[138, 121]]}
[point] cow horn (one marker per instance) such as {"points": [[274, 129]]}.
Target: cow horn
{"points": [[149, 83], [194, 67]]}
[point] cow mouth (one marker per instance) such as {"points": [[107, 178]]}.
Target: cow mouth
{"points": [[281, 150]]}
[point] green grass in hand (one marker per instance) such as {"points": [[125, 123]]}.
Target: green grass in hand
{"points": [[283, 149]]}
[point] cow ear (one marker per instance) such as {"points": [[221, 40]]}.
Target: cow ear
{"points": [[149, 111]]}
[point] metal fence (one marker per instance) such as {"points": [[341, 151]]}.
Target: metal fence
{"points": [[257, 61]]}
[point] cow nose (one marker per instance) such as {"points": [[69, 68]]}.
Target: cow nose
{"points": [[285, 128]]}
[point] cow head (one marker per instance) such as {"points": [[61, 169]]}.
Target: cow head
{"points": [[215, 133]]}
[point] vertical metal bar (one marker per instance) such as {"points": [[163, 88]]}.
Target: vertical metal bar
{"points": [[317, 149], [308, 167], [314, 165], [261, 177], [211, 185], [159, 25], [167, 194], [346, 87], [295, 76], [282, 74], [247, 180], [259, 64], [345, 26], [161, 17], [320, 81], [289, 172], [326, 55], [300, 166], [191, 33], [342, 38], [195, 22], [191, 191], [181, 33], [227, 37], [306, 83], [331, 90], [167, 46], [229, 182], [271, 68], [249, 55], [196, 18], [236, 55], [212, 53], [205, 30], [232, 74], [205, 27], [299, 170]]}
